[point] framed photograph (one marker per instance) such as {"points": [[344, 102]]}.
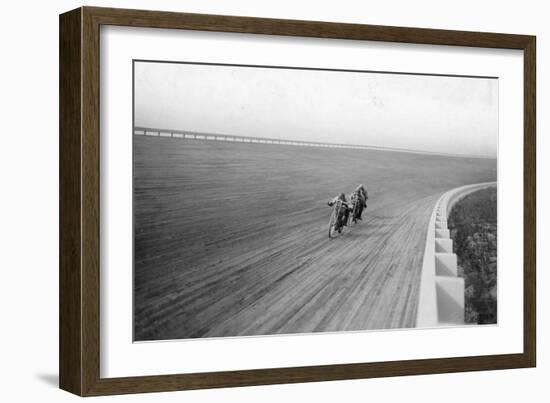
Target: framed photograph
{"points": [[248, 201]]}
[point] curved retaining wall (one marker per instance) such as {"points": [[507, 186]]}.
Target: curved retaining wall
{"points": [[441, 300]]}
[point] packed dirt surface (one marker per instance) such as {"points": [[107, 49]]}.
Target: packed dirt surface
{"points": [[231, 239]]}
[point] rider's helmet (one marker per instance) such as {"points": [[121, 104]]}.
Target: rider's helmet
{"points": [[342, 196]]}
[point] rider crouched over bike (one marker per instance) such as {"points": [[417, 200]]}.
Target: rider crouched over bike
{"points": [[361, 194], [344, 212]]}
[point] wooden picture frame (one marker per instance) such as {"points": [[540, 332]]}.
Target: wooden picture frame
{"points": [[79, 201]]}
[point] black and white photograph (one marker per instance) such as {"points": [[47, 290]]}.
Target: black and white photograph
{"points": [[242, 201], [274, 200]]}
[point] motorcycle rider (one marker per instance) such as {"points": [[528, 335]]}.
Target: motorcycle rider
{"points": [[361, 193], [344, 211]]}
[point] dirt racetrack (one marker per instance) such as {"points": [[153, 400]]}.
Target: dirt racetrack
{"points": [[231, 238]]}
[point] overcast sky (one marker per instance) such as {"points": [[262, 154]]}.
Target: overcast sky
{"points": [[430, 113]]}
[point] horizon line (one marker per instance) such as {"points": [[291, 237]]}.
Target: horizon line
{"points": [[183, 134]]}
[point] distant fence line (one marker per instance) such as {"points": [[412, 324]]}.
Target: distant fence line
{"points": [[147, 131], [156, 132]]}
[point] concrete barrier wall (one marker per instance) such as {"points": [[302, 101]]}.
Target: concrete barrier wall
{"points": [[441, 301]]}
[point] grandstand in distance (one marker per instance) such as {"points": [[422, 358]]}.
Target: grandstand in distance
{"points": [[160, 132]]}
